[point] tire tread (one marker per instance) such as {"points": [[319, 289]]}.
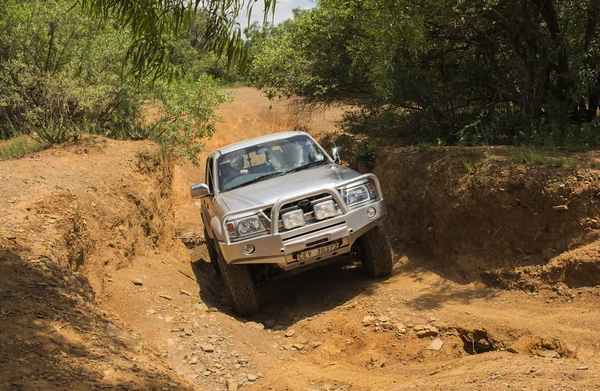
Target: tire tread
{"points": [[240, 285], [377, 252]]}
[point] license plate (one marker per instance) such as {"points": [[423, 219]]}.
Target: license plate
{"points": [[315, 252]]}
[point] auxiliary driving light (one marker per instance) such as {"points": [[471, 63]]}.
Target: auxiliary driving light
{"points": [[293, 219], [324, 210], [371, 212], [248, 248]]}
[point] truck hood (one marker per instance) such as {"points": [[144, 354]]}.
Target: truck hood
{"points": [[270, 190]]}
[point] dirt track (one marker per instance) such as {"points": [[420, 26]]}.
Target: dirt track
{"points": [[328, 329]]}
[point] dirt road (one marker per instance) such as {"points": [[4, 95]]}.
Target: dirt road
{"points": [[328, 329]]}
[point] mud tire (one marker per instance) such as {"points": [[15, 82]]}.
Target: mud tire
{"points": [[240, 285], [212, 252], [376, 253]]}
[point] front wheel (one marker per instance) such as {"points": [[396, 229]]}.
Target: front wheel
{"points": [[240, 285], [376, 252]]}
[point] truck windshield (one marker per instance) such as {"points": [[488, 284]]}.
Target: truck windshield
{"points": [[261, 161]]}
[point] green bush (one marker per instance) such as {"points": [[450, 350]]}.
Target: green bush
{"points": [[364, 155], [60, 71], [63, 72], [185, 113]]}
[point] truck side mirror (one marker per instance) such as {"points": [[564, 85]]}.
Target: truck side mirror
{"points": [[200, 190], [336, 153]]}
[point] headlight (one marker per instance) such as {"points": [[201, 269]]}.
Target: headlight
{"points": [[360, 193], [249, 225], [245, 226], [293, 219], [356, 194]]}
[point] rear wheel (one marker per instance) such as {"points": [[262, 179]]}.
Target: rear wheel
{"points": [[240, 285], [212, 251], [376, 252]]}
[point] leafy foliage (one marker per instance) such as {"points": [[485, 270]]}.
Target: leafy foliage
{"points": [[185, 114], [154, 22], [59, 70], [445, 71], [364, 155], [63, 72], [305, 56]]}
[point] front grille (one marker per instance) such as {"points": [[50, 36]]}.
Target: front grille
{"points": [[305, 204]]}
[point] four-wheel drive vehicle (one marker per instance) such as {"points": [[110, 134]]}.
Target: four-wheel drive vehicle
{"points": [[280, 203]]}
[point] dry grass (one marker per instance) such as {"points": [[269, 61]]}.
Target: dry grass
{"points": [[20, 146]]}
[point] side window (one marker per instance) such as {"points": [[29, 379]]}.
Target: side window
{"points": [[209, 175]]}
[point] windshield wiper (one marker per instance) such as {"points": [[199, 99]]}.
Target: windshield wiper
{"points": [[257, 179], [312, 164]]}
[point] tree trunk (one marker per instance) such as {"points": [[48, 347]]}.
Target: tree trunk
{"points": [[563, 76], [594, 101], [590, 33]]}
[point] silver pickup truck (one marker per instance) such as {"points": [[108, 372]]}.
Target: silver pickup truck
{"points": [[279, 204]]}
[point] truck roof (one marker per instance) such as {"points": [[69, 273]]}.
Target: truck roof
{"points": [[258, 140]]}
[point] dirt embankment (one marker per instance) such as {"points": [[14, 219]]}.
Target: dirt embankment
{"points": [[89, 206], [483, 216], [71, 216]]}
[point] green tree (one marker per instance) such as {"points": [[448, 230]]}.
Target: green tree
{"points": [[152, 22], [459, 71], [59, 70], [63, 71]]}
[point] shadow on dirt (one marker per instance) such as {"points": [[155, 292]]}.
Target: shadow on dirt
{"points": [[212, 289], [291, 299], [438, 292], [55, 338], [448, 292]]}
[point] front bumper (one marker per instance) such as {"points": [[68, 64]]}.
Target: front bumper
{"points": [[280, 248]]}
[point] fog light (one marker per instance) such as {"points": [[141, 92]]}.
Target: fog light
{"points": [[324, 210], [293, 219], [371, 212], [248, 248]]}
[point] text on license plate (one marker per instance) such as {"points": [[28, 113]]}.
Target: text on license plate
{"points": [[315, 252]]}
